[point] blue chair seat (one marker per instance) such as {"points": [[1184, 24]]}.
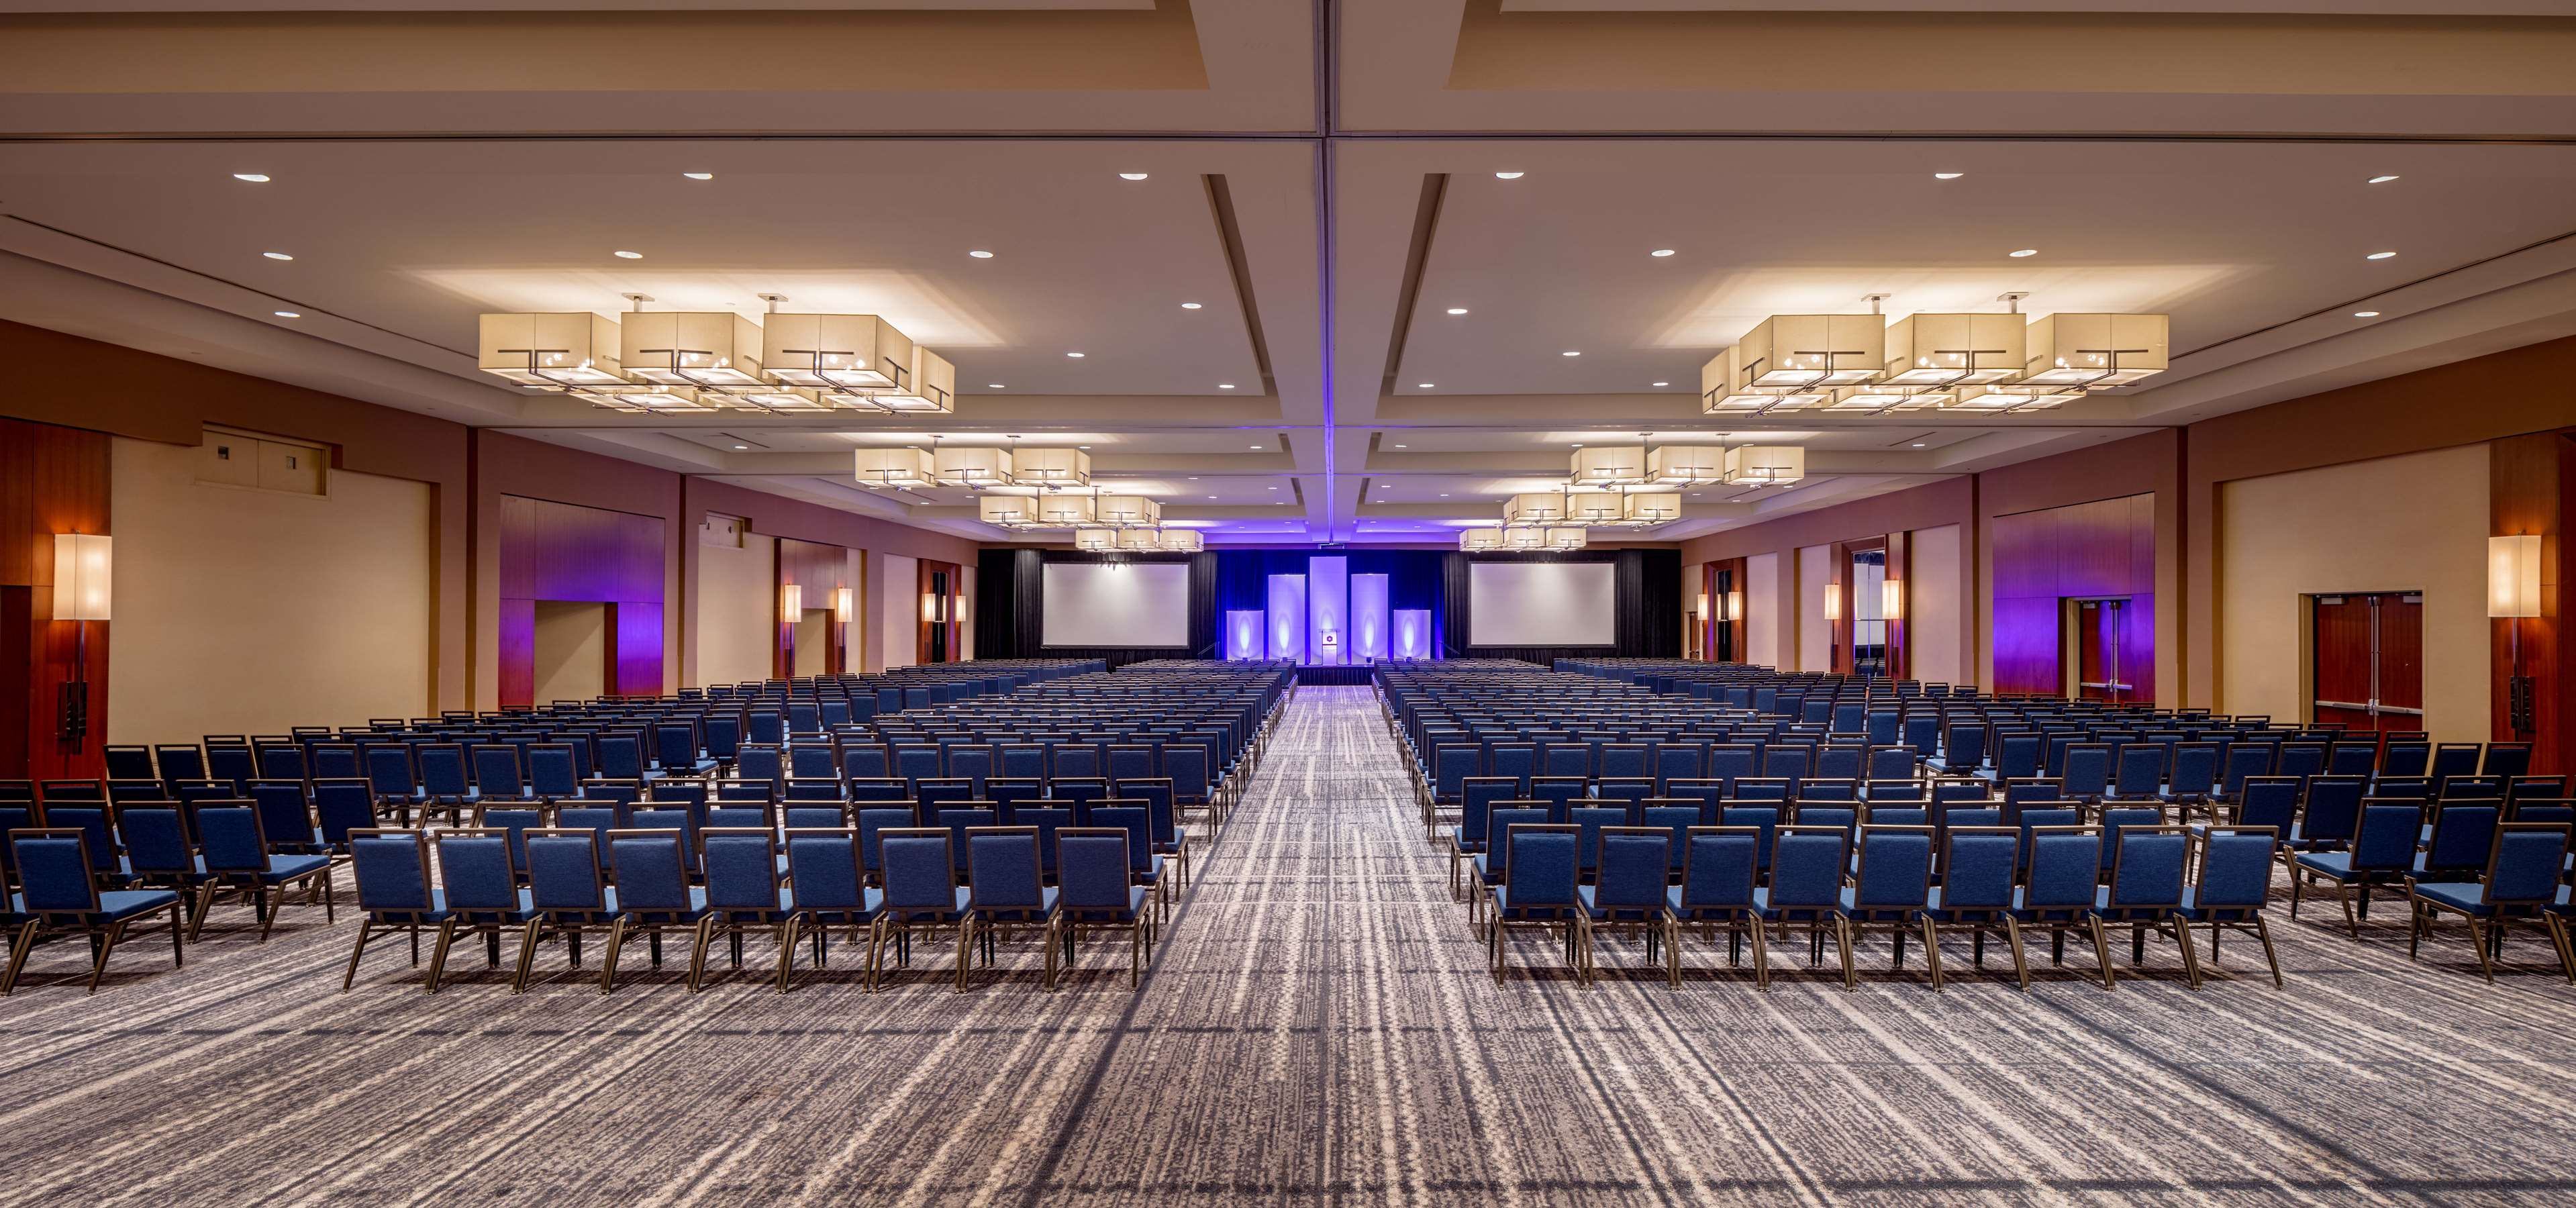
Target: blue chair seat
{"points": [[526, 910], [1135, 909], [1503, 907], [1852, 906], [1486, 872], [2024, 911], [2338, 865], [606, 913], [1045, 907], [287, 868], [1586, 894], [1152, 872], [1940, 913], [697, 910], [2192, 910], [1673, 905], [113, 904], [873, 905], [2463, 896], [1458, 836], [964, 895]]}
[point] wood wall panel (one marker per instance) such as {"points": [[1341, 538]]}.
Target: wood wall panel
{"points": [[2106, 547], [563, 551], [52, 480], [2527, 481], [819, 570]]}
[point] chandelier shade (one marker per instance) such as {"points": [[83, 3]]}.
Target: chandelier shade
{"points": [[1524, 536], [1183, 541], [690, 348], [1064, 511], [1537, 507], [1955, 349], [972, 467], [556, 351], [1594, 507], [1126, 511], [1479, 540], [1095, 539], [1140, 539], [931, 390], [1807, 351], [1008, 511], [1609, 465], [1686, 465], [2096, 350], [898, 468], [1566, 538], [834, 352], [1760, 465], [1723, 391], [1653, 507], [1051, 467]]}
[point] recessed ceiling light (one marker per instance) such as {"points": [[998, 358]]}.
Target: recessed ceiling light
{"points": [[699, 175], [980, 254], [1444, 494], [1661, 251], [1570, 354], [1274, 488], [993, 386], [287, 314], [1918, 444], [630, 255], [1256, 446], [2028, 251], [1457, 310], [1189, 306], [1399, 446], [2379, 255], [1211, 496], [261, 178], [742, 446], [1578, 444], [1663, 383], [1131, 176], [1507, 175], [1947, 175], [1194, 478], [1082, 446], [277, 255], [2365, 314], [2376, 180], [1075, 355], [1225, 385]]}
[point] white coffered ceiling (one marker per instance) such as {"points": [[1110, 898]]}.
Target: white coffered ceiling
{"points": [[420, 176]]}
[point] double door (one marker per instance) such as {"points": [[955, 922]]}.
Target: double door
{"points": [[2368, 660], [2101, 627]]}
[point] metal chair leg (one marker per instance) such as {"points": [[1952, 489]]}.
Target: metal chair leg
{"points": [[2264, 933], [438, 952], [2021, 967], [98, 967], [350, 978]]}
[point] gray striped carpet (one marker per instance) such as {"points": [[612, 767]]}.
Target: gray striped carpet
{"points": [[1318, 1026]]}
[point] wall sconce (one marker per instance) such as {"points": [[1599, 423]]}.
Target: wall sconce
{"points": [[84, 571], [1891, 599], [791, 603], [1703, 604], [2513, 591], [841, 606], [1833, 601], [1734, 605], [930, 602], [84, 587]]}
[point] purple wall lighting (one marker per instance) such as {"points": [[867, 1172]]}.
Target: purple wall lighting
{"points": [[1243, 635], [1288, 617], [1412, 632], [1368, 618]]}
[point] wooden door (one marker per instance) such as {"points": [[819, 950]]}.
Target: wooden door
{"points": [[2367, 661], [2099, 629]]}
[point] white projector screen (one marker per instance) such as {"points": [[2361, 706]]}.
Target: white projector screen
{"points": [[1115, 604], [1542, 603]]}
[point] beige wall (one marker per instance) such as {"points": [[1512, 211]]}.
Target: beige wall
{"points": [[571, 644], [248, 611], [1764, 606], [735, 632], [2411, 523], [1815, 642], [1934, 606], [898, 610]]}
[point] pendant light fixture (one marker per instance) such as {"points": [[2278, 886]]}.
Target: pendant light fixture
{"points": [[1481, 539], [1536, 507], [903, 469]]}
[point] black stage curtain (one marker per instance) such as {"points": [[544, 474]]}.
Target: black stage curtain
{"points": [[1007, 604]]}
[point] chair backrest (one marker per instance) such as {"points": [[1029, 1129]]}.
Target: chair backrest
{"points": [[564, 869], [476, 868], [2065, 866], [54, 870], [392, 868], [230, 839], [1541, 869], [919, 874], [2385, 838], [2333, 810], [2140, 769], [1093, 864], [1719, 867], [342, 806], [2235, 868], [827, 868], [2147, 869], [1003, 867], [1633, 864], [1977, 866], [156, 841], [1807, 864], [2087, 770], [2270, 801], [496, 770], [1503, 817], [1895, 868], [2525, 868]]}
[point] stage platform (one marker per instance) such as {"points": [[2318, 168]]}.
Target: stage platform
{"points": [[1311, 673]]}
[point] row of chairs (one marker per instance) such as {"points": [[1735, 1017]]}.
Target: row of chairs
{"points": [[808, 881]]}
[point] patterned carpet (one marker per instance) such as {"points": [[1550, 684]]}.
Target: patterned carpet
{"points": [[1318, 1026]]}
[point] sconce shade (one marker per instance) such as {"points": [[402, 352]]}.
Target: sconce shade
{"points": [[1891, 599], [791, 603], [1833, 601], [841, 606], [84, 574], [2513, 576]]}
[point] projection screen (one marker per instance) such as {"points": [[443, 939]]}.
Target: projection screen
{"points": [[1540, 603], [1115, 604]]}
